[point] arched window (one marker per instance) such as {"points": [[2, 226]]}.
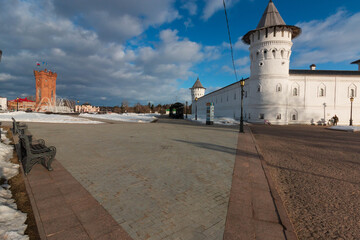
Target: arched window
{"points": [[322, 92], [265, 53], [259, 88], [278, 87], [282, 53], [295, 92], [294, 115], [273, 52], [352, 91]]}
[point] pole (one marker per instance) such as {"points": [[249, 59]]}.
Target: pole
{"points": [[241, 117], [186, 109], [351, 121]]}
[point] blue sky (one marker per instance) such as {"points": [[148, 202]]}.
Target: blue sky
{"points": [[110, 51]]}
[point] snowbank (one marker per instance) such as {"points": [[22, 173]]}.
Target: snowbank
{"points": [[125, 117], [46, 118], [345, 128], [12, 221], [221, 120]]}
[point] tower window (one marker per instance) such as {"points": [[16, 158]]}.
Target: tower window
{"points": [[295, 92], [273, 52], [278, 88], [266, 32], [278, 116], [261, 116], [259, 88], [282, 53], [265, 53]]}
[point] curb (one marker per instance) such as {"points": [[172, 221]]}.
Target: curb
{"points": [[284, 219]]}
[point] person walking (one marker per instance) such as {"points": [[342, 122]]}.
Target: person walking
{"points": [[336, 119]]}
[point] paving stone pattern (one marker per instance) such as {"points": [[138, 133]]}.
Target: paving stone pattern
{"points": [[158, 180]]}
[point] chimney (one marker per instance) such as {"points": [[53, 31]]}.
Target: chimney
{"points": [[358, 63], [312, 67]]}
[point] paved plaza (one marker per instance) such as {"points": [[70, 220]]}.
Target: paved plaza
{"points": [[164, 180]]}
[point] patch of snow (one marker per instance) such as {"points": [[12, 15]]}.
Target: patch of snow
{"points": [[220, 120], [12, 221], [44, 118], [345, 128], [124, 117]]}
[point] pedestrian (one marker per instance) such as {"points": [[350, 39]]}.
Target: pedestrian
{"points": [[336, 119]]}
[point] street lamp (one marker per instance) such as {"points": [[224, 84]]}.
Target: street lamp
{"points": [[351, 101], [196, 108], [17, 104], [242, 83]]}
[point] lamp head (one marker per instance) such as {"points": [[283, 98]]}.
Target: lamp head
{"points": [[242, 82], [196, 99], [351, 99]]}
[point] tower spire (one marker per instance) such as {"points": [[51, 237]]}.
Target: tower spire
{"points": [[270, 17]]}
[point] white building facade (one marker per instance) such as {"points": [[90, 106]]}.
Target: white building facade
{"points": [[3, 104], [277, 94]]}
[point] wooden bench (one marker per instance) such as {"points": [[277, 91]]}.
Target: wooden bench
{"points": [[32, 154]]}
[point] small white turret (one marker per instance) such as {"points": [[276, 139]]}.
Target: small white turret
{"points": [[197, 90]]}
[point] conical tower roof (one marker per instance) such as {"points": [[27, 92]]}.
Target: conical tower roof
{"points": [[271, 18], [197, 84]]}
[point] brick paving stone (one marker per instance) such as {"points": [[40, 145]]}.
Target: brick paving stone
{"points": [[154, 179]]}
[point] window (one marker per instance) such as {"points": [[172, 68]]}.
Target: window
{"points": [[322, 92], [293, 117], [295, 92], [261, 116], [273, 52], [282, 53], [352, 92], [265, 53], [266, 32], [259, 88], [278, 87], [278, 116]]}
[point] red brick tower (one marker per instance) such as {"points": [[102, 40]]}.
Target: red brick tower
{"points": [[45, 88]]}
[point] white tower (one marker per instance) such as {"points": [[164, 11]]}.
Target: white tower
{"points": [[197, 90], [270, 50]]}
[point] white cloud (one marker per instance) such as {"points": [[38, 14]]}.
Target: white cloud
{"points": [[5, 77], [244, 61], [335, 39], [213, 6], [191, 6]]}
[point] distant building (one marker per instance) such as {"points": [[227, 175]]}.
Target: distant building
{"points": [[86, 108], [21, 104], [280, 95], [3, 104], [45, 89]]}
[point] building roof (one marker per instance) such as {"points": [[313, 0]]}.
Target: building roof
{"points": [[356, 62], [324, 72], [238, 82], [197, 84], [271, 18], [21, 100]]}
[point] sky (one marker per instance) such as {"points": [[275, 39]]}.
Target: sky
{"points": [[139, 51]]}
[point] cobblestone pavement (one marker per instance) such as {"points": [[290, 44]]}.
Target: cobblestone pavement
{"points": [[159, 181], [317, 174]]}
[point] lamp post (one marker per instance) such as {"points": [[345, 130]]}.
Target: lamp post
{"points": [[242, 83], [17, 104], [196, 108], [186, 109], [351, 102]]}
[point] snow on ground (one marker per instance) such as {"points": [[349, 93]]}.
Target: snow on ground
{"points": [[221, 120], [12, 221], [46, 118], [125, 117], [345, 128]]}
